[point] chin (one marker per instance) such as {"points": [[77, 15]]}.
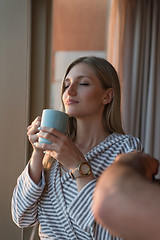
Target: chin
{"points": [[71, 113]]}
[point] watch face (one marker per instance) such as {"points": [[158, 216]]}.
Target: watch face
{"points": [[85, 169]]}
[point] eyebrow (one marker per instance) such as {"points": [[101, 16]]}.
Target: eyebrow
{"points": [[79, 77]]}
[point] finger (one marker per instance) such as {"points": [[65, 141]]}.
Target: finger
{"points": [[53, 131], [29, 127], [53, 135], [149, 163], [34, 127], [33, 134], [36, 122], [44, 146], [48, 136], [33, 130], [47, 153], [33, 138], [153, 164], [36, 119]]}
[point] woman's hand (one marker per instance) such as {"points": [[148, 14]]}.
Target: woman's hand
{"points": [[62, 148], [32, 131], [35, 166], [143, 163]]}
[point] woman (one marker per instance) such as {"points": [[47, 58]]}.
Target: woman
{"points": [[61, 201]]}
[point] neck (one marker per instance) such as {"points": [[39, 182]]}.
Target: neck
{"points": [[89, 134]]}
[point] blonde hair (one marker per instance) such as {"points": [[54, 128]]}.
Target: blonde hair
{"points": [[108, 78]]}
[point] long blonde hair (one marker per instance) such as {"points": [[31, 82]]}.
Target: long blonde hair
{"points": [[108, 78]]}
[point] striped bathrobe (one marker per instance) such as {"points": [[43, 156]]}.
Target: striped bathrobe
{"points": [[62, 212]]}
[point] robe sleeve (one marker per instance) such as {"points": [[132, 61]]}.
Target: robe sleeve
{"points": [[25, 199]]}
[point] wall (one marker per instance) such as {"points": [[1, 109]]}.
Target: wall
{"points": [[78, 30], [79, 25], [13, 105], [25, 54]]}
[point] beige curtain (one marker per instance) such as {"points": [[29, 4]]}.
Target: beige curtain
{"points": [[133, 47]]}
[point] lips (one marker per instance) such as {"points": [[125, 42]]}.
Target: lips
{"points": [[71, 101]]}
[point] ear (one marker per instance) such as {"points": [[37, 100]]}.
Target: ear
{"points": [[108, 96]]}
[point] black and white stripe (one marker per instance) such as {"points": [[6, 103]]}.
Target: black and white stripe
{"points": [[63, 213]]}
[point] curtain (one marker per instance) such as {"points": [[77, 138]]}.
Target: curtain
{"points": [[133, 47]]}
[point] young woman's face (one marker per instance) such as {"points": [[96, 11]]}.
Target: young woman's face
{"points": [[83, 95]]}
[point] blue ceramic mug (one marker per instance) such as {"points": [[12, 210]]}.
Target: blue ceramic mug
{"points": [[54, 119]]}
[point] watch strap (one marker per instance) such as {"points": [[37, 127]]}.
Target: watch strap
{"points": [[76, 174]]}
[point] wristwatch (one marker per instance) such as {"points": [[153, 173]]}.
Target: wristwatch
{"points": [[83, 169]]}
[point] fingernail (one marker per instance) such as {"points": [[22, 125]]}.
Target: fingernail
{"points": [[34, 143], [39, 128], [44, 151]]}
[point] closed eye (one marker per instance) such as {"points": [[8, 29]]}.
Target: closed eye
{"points": [[85, 84]]}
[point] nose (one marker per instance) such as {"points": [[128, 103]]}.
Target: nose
{"points": [[71, 90]]}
